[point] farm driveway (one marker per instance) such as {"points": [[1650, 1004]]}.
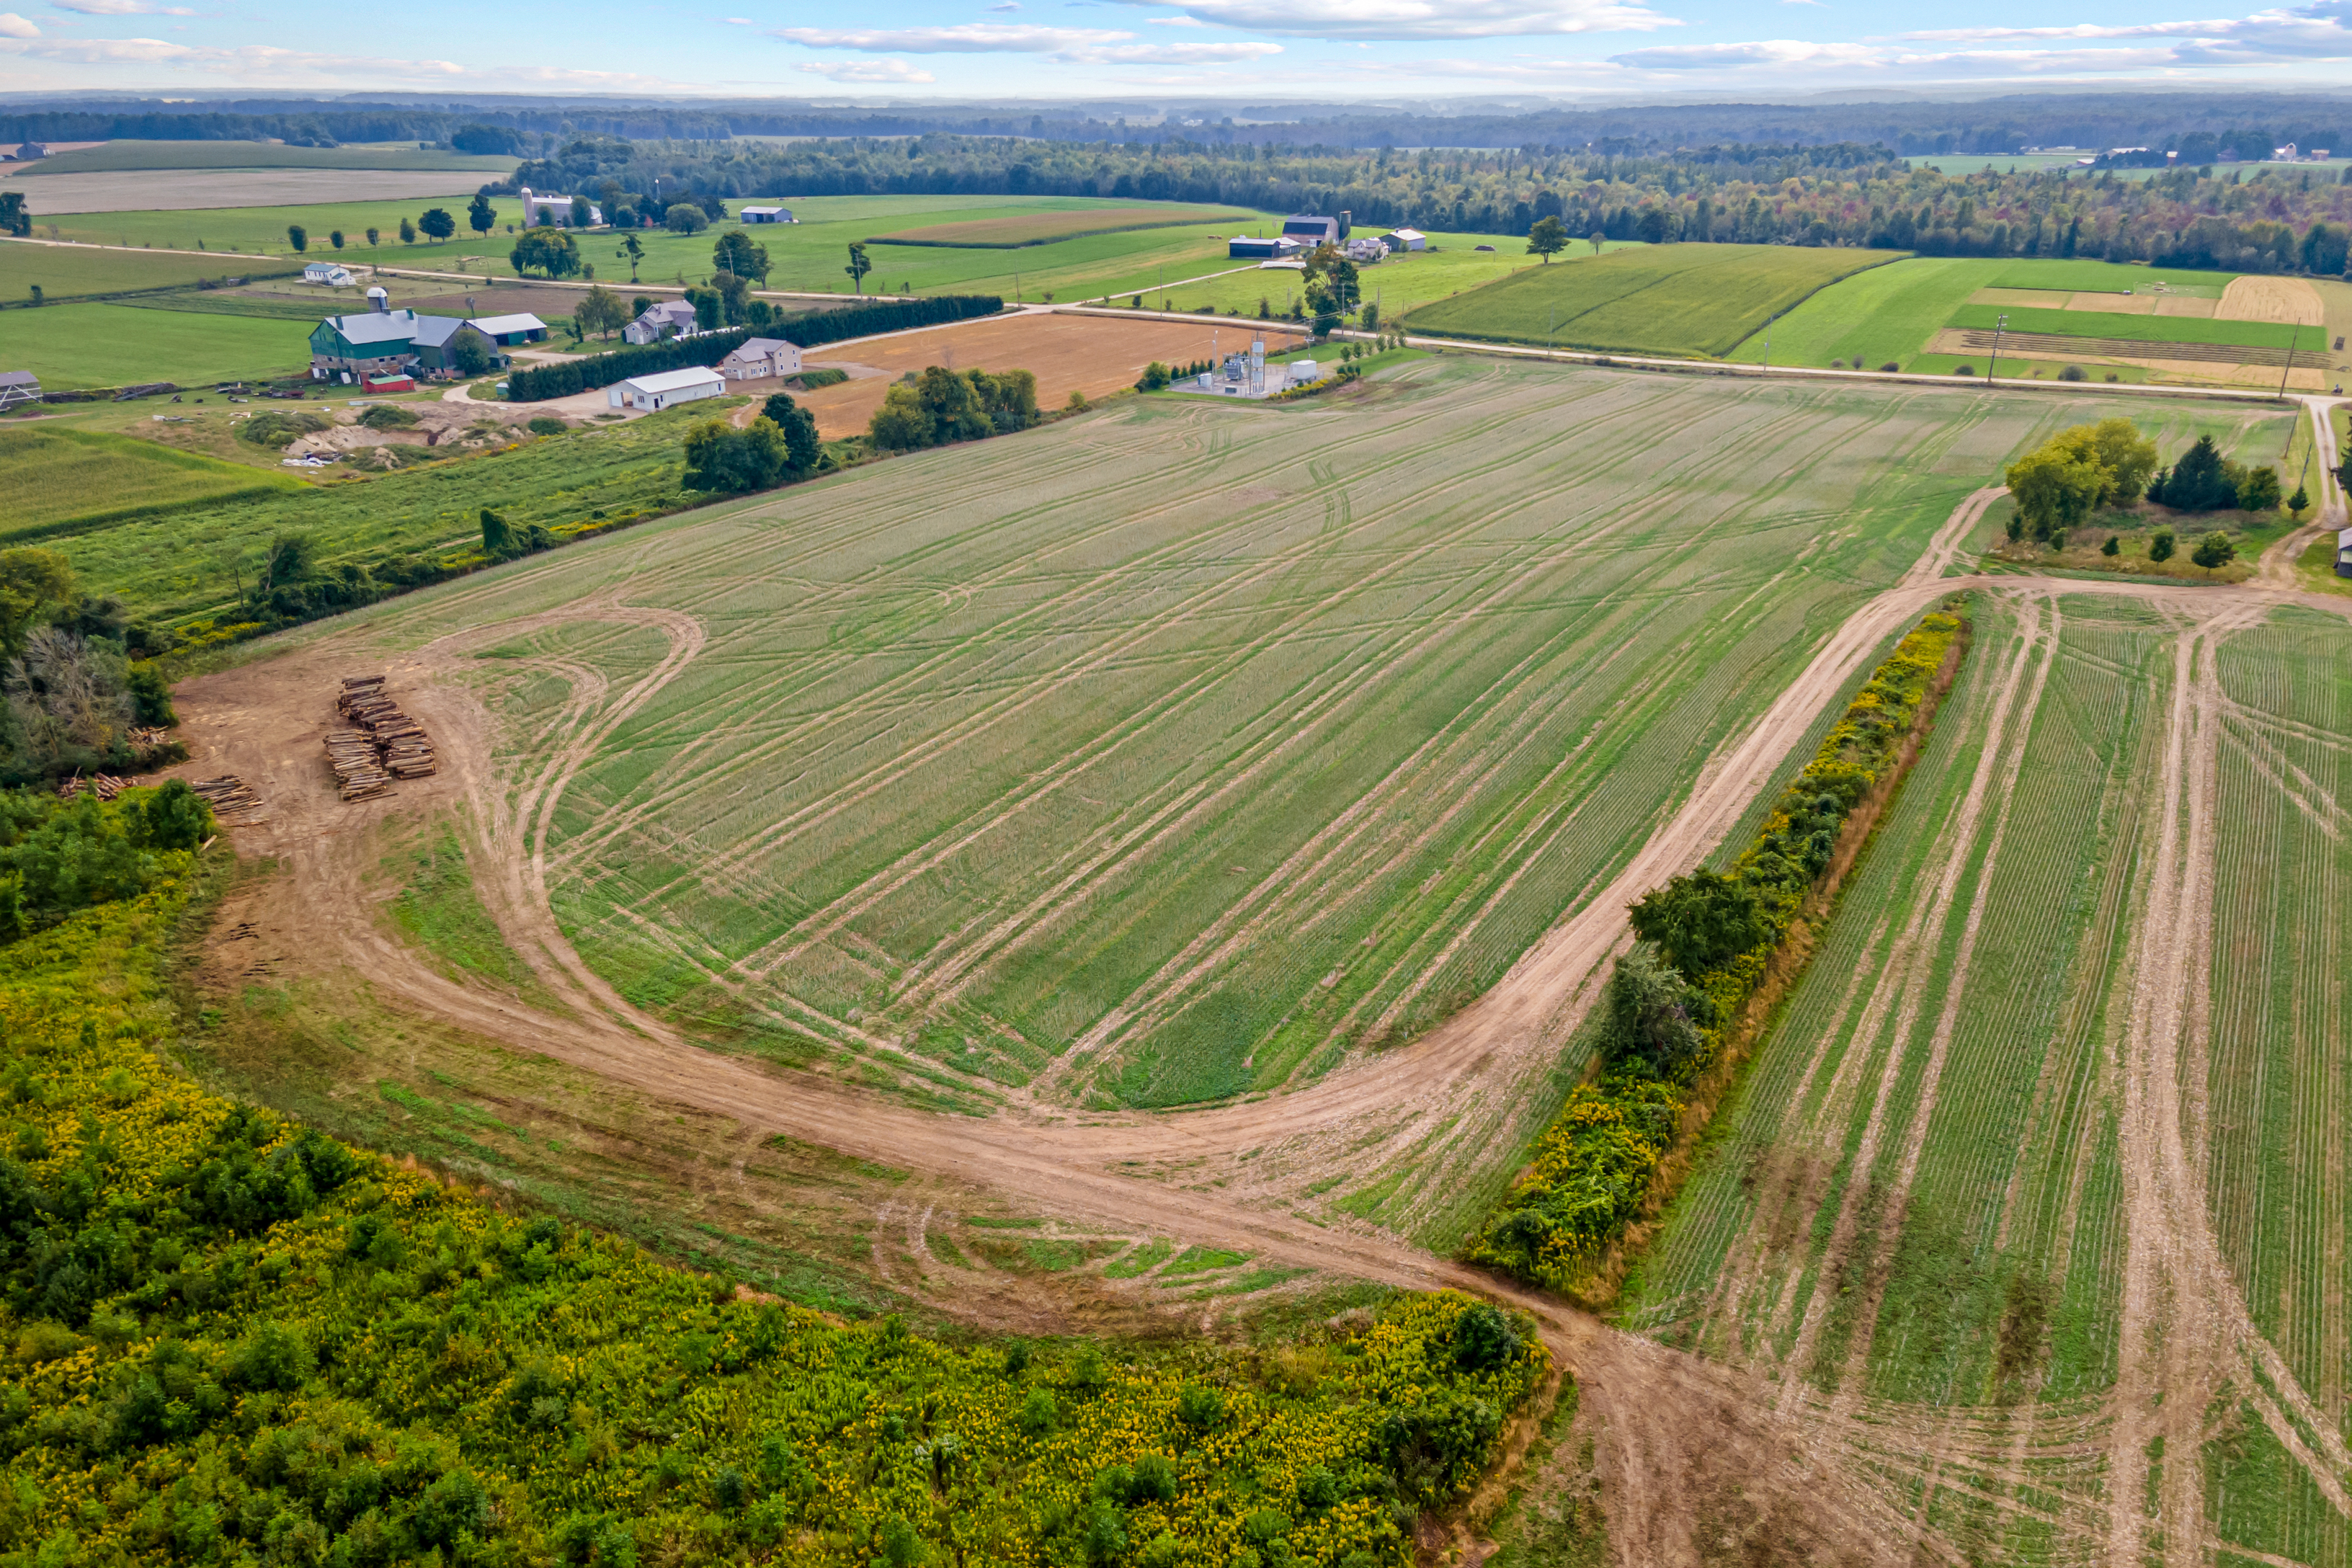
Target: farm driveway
{"points": [[1683, 1439]]}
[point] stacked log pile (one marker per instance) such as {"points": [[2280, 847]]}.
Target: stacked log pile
{"points": [[106, 787], [231, 798], [382, 744]]}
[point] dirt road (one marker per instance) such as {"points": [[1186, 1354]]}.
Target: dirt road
{"points": [[1682, 1435]]}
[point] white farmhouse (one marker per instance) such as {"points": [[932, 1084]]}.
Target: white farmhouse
{"points": [[662, 318], [333, 274], [761, 357], [652, 394]]}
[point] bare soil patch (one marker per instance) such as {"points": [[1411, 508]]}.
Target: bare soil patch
{"points": [[1093, 354]]}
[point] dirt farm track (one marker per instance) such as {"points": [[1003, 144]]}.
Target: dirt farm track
{"points": [[1689, 1448]]}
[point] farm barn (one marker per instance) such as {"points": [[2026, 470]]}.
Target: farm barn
{"points": [[766, 215]]}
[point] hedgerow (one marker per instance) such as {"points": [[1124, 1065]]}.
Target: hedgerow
{"points": [[1673, 1001], [539, 383], [236, 1340]]}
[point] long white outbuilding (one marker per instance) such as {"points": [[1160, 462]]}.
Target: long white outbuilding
{"points": [[657, 391]]}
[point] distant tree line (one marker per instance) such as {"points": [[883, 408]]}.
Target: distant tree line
{"points": [[2247, 123]]}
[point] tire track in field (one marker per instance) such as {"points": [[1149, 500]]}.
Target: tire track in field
{"points": [[1899, 991], [2185, 1334], [1119, 517]]}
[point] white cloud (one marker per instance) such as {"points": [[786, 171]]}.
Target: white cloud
{"points": [[1415, 19], [739, 21], [1175, 22], [866, 71], [1805, 3], [1170, 54], [258, 63], [12, 25], [1007, 5], [964, 38], [120, 8]]}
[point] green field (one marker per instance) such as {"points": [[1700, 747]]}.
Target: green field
{"points": [[179, 567], [1012, 233], [1922, 1195], [61, 478], [66, 274], [121, 155], [1397, 284], [1680, 299], [118, 345], [1399, 702], [1887, 314], [2144, 329], [807, 256]]}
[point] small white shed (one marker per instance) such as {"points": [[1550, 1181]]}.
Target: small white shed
{"points": [[1407, 239], [656, 393], [766, 215]]}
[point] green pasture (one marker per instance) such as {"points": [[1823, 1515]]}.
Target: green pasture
{"points": [[62, 478], [261, 231], [1399, 284], [1680, 299], [808, 256], [116, 345], [2146, 329], [184, 566], [1889, 314], [65, 273], [128, 156]]}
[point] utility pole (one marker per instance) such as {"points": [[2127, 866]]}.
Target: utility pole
{"points": [[1999, 325], [2293, 338], [1767, 340]]}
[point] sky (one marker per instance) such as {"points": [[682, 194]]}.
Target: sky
{"points": [[1254, 50]]}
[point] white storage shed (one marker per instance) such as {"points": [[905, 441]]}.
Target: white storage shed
{"points": [[654, 392]]}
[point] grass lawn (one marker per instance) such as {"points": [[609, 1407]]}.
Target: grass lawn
{"points": [[2316, 569], [116, 345], [261, 231], [65, 274], [1889, 314], [59, 477], [119, 156], [1681, 298]]}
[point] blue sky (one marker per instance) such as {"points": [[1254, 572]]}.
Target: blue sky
{"points": [[1253, 49]]}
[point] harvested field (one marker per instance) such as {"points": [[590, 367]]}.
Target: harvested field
{"points": [[1044, 228], [1184, 678], [105, 157], [68, 272], [69, 198], [1093, 354], [2042, 1167], [2258, 299]]}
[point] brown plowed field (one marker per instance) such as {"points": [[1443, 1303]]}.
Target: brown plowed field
{"points": [[1093, 354]]}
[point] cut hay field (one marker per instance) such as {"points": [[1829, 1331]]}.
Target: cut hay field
{"points": [[1012, 233], [67, 273], [1890, 315], [118, 345], [1400, 283], [115, 156], [1948, 1196], [1176, 753], [1674, 298]]}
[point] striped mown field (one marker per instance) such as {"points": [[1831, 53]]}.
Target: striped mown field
{"points": [[2039, 1177], [1175, 754]]}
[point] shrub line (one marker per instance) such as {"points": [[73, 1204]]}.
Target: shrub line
{"points": [[1605, 1169]]}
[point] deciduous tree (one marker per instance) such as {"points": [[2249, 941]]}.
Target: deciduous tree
{"points": [[437, 223], [1547, 238], [481, 216], [858, 268]]}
